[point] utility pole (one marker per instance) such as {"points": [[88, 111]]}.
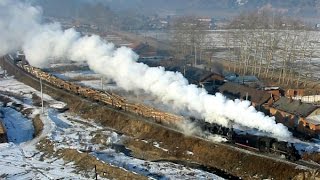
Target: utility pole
{"points": [[195, 56], [95, 171], [41, 96], [272, 20]]}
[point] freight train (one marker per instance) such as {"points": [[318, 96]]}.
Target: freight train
{"points": [[102, 96], [262, 144]]}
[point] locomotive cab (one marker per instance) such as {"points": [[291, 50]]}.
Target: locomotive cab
{"points": [[286, 149]]}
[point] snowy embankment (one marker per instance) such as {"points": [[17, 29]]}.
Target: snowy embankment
{"points": [[70, 133], [19, 159]]}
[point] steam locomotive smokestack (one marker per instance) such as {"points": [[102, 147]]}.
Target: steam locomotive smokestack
{"points": [[21, 28]]}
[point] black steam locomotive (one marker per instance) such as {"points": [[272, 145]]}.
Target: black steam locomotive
{"points": [[262, 144]]}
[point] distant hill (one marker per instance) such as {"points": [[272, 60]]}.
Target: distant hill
{"points": [[223, 8], [292, 7]]}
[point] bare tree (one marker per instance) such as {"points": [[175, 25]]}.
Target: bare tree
{"points": [[189, 38]]}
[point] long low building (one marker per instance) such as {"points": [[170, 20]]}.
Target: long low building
{"points": [[259, 99], [297, 115]]}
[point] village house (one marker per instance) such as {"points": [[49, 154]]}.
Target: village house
{"points": [[299, 116], [251, 81], [144, 50], [261, 100], [294, 92], [275, 91], [201, 77]]}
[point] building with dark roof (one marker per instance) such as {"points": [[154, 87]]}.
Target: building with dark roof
{"points": [[294, 107], [201, 77], [258, 98], [251, 81], [276, 91], [144, 50], [296, 114], [194, 75]]}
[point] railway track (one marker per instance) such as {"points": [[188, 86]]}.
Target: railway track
{"points": [[7, 63]]}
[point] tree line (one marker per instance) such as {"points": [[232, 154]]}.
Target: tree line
{"points": [[190, 39], [284, 55], [262, 44]]}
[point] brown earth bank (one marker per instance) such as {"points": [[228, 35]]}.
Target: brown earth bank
{"points": [[38, 125], [315, 157], [237, 163]]}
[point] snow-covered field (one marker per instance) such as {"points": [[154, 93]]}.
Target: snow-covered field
{"points": [[22, 162], [217, 39], [20, 159]]}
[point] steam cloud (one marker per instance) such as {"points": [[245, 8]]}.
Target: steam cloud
{"points": [[21, 28]]}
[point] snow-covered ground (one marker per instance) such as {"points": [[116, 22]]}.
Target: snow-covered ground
{"points": [[20, 159], [22, 162]]}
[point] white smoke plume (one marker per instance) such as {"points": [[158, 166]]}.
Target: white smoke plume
{"points": [[21, 28]]}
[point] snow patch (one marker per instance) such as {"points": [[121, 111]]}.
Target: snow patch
{"points": [[157, 145]]}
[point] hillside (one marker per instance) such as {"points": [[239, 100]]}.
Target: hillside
{"points": [[216, 8]]}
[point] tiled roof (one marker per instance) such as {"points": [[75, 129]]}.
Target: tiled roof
{"points": [[294, 107], [194, 75], [236, 91], [143, 48], [246, 79]]}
